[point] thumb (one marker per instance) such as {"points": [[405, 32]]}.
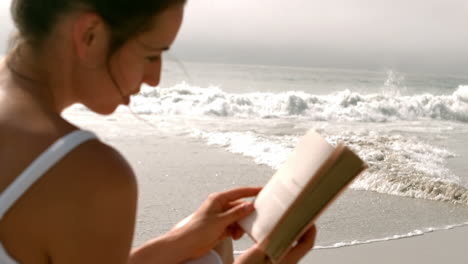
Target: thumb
{"points": [[237, 212]]}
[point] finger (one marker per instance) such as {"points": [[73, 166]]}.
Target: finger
{"points": [[236, 213], [309, 236], [233, 204], [234, 194], [235, 231], [304, 245]]}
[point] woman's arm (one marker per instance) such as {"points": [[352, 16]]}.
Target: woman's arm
{"points": [[164, 249]]}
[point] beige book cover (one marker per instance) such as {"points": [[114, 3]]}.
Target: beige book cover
{"points": [[312, 176]]}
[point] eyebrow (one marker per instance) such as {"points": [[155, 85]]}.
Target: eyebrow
{"points": [[152, 48]]}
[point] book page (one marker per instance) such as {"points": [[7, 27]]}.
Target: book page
{"points": [[280, 192]]}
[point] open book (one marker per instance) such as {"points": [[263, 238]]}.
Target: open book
{"points": [[312, 176]]}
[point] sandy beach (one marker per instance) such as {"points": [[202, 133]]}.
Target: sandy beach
{"points": [[176, 173]]}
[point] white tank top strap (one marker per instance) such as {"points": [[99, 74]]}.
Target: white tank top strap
{"points": [[41, 165]]}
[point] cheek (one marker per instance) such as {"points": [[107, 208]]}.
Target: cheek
{"points": [[132, 76], [128, 74]]}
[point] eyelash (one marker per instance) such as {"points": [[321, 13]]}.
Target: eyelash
{"points": [[153, 58]]}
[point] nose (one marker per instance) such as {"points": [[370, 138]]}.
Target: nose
{"points": [[152, 80], [152, 75]]}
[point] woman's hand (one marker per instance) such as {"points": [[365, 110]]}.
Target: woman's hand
{"points": [[256, 256], [215, 220]]}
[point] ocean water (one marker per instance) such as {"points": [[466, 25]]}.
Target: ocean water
{"points": [[412, 129]]}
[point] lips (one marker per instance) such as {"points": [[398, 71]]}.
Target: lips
{"points": [[126, 100], [135, 91]]}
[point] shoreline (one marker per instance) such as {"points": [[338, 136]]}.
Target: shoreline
{"points": [[431, 248], [410, 235]]}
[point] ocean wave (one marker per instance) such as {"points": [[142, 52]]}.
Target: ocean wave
{"points": [[462, 93], [405, 166], [184, 99], [398, 165]]}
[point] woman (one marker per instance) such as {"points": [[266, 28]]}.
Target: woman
{"points": [[66, 196]]}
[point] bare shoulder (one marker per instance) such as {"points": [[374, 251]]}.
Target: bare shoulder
{"points": [[98, 163], [93, 220], [92, 167]]}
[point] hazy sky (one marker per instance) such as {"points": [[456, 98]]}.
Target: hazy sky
{"points": [[409, 34]]}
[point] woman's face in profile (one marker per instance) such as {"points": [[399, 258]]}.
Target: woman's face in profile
{"points": [[137, 62]]}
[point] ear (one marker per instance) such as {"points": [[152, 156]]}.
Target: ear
{"points": [[91, 39]]}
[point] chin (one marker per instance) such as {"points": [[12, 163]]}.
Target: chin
{"points": [[103, 109]]}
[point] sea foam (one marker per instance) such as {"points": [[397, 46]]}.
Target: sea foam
{"points": [[401, 166], [184, 99], [462, 93]]}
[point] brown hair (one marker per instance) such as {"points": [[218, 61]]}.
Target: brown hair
{"points": [[36, 18]]}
